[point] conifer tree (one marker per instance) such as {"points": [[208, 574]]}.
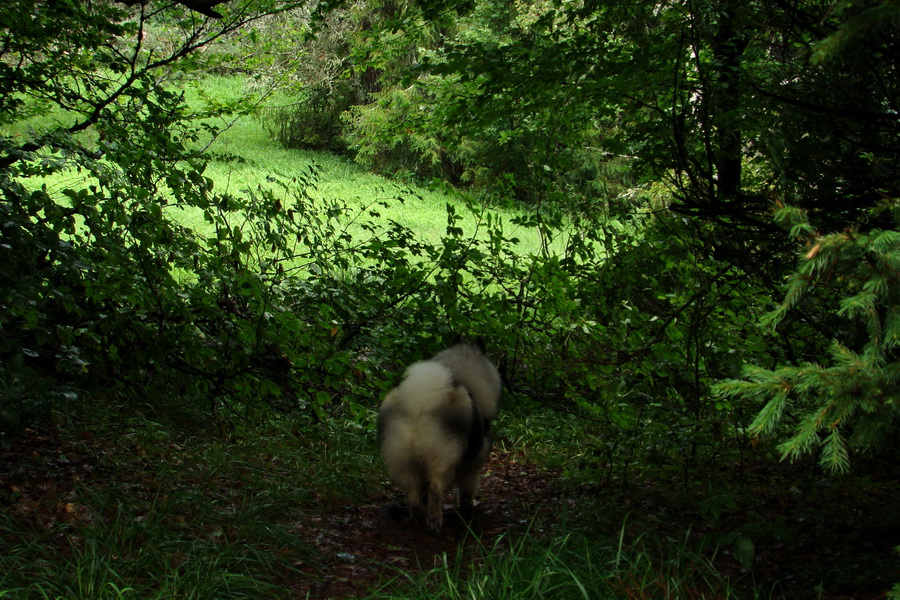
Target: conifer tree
{"points": [[850, 402]]}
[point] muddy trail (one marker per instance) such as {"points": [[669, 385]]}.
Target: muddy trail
{"points": [[364, 544]]}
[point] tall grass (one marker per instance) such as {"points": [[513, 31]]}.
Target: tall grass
{"points": [[567, 567]]}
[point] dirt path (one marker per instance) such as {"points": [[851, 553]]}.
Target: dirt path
{"points": [[362, 545]]}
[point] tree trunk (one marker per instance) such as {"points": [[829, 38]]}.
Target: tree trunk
{"points": [[728, 47]]}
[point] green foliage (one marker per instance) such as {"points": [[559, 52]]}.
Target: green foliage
{"points": [[574, 105], [867, 20], [568, 566], [587, 111], [318, 76], [489, 105], [103, 287], [314, 122], [580, 109], [626, 313], [851, 401], [390, 133], [439, 121]]}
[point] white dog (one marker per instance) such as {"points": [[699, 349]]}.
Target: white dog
{"points": [[435, 429]]}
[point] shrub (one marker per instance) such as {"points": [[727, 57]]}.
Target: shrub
{"points": [[104, 290]]}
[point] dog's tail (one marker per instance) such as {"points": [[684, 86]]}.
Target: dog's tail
{"points": [[427, 386]]}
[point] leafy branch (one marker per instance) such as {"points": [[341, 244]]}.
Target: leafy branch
{"points": [[851, 402]]}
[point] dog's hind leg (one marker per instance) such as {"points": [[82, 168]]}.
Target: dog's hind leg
{"points": [[468, 481], [468, 475], [416, 497], [435, 507]]}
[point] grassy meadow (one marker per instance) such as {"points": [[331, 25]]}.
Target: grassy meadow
{"points": [[248, 156], [421, 208], [244, 157]]}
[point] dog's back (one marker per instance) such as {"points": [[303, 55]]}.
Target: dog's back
{"points": [[434, 428], [413, 422]]}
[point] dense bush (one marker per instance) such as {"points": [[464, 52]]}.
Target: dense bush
{"points": [[316, 74], [314, 121], [103, 290]]}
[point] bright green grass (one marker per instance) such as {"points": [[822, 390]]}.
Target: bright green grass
{"points": [[245, 157], [423, 209]]}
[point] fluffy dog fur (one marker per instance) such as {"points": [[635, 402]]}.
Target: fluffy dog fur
{"points": [[435, 429]]}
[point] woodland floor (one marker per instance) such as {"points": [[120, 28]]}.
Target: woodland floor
{"points": [[809, 530], [832, 540]]}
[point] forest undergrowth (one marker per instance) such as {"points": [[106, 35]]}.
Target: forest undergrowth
{"points": [[105, 509]]}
